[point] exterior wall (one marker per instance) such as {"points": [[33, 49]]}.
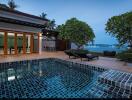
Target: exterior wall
{"points": [[21, 17], [22, 28], [62, 45]]}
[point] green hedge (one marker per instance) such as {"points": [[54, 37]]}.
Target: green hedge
{"points": [[127, 51], [125, 56]]}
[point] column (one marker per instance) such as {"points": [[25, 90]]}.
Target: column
{"points": [[24, 43], [15, 44], [5, 43]]}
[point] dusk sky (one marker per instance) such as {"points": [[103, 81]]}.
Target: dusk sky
{"points": [[94, 12]]}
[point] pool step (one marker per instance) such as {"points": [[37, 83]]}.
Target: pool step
{"points": [[105, 91], [115, 78], [114, 84]]}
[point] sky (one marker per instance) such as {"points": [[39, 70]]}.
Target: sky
{"points": [[93, 12]]}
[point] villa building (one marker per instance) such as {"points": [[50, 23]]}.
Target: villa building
{"points": [[21, 33]]}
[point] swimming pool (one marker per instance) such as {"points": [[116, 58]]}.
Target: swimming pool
{"points": [[45, 78], [50, 78]]}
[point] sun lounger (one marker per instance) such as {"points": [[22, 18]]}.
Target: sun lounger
{"points": [[88, 56], [71, 54]]}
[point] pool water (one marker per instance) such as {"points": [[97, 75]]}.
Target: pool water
{"points": [[45, 79]]}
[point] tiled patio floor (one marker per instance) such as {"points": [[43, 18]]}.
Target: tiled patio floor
{"points": [[110, 63]]}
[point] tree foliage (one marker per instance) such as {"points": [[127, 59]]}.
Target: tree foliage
{"points": [[12, 5], [121, 28], [76, 31]]}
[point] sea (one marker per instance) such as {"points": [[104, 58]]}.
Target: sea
{"points": [[101, 48]]}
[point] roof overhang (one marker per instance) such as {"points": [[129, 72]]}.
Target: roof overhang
{"points": [[22, 13], [8, 27], [19, 22], [20, 18]]}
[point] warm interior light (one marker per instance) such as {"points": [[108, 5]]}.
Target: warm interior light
{"points": [[1, 33], [10, 34]]}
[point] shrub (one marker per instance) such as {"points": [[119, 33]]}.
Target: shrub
{"points": [[127, 51], [109, 53], [125, 56]]}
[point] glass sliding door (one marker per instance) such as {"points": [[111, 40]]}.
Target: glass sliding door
{"points": [[28, 42], [20, 43], [10, 43], [1, 43], [36, 44]]}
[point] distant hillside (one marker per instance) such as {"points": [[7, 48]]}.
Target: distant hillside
{"points": [[102, 45]]}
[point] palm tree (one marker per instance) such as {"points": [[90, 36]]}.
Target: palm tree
{"points": [[43, 15], [51, 24], [12, 4], [4, 6]]}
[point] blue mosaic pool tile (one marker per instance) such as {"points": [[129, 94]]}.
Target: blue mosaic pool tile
{"points": [[29, 85], [108, 85]]}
